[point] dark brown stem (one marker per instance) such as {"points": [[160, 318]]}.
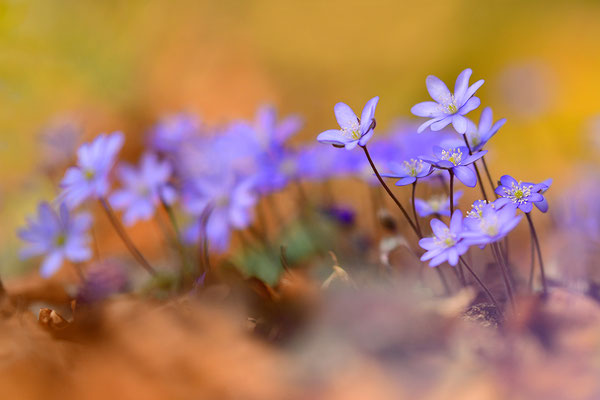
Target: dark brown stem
{"points": [[125, 237], [476, 169], [389, 192], [505, 275], [482, 285], [539, 253], [451, 192], [414, 208]]}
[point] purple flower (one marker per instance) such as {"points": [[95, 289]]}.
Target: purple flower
{"points": [[230, 201], [522, 195], [447, 107], [488, 224], [477, 208], [353, 131], [89, 179], [456, 160], [447, 243], [143, 188], [57, 236], [172, 131], [271, 133], [409, 171], [439, 205], [478, 136]]}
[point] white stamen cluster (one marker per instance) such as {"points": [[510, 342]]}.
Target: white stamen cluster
{"points": [[352, 132], [448, 239], [413, 167], [477, 209], [519, 193], [452, 155], [449, 106]]}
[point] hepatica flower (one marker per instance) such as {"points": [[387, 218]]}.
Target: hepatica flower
{"points": [[522, 195], [447, 243], [436, 204], [409, 171], [58, 236], [272, 133], [448, 107], [231, 203], [488, 224], [353, 131], [89, 179], [456, 159], [143, 188], [479, 135]]}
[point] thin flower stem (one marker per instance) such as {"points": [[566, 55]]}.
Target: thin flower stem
{"points": [[389, 192], [451, 192], [539, 253], [125, 237], [414, 208], [532, 267], [179, 241], [505, 275], [489, 176], [482, 285], [476, 169], [443, 280]]}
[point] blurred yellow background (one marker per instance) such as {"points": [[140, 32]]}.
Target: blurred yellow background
{"points": [[122, 64]]}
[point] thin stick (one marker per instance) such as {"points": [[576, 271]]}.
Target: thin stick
{"points": [[443, 280], [476, 169], [505, 276], [414, 188], [125, 237], [451, 192], [389, 192], [539, 253], [482, 285], [489, 176]]}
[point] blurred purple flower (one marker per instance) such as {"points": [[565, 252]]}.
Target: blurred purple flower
{"points": [[103, 279], [409, 171], [479, 135], [58, 236], [89, 179], [446, 243], [522, 195], [143, 188], [456, 160], [230, 202], [436, 204], [477, 208], [171, 132], [447, 107], [269, 132], [489, 226], [353, 131]]}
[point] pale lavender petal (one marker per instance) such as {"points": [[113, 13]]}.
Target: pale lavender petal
{"points": [[485, 121], [429, 109], [465, 175], [441, 124], [460, 123], [462, 83], [437, 89], [470, 105], [346, 118]]}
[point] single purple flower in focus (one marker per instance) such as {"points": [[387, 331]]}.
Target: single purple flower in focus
{"points": [[447, 243], [489, 225], [409, 171], [447, 107], [439, 205], [456, 160], [522, 195], [89, 179], [231, 203], [479, 135], [58, 236], [353, 131], [143, 188]]}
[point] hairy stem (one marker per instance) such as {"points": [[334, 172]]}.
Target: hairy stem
{"points": [[125, 237], [414, 208], [389, 192], [539, 253]]}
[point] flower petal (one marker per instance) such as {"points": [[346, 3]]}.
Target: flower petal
{"points": [[333, 136], [542, 205], [438, 227], [460, 123], [471, 91], [465, 175], [474, 157], [441, 124], [368, 113], [426, 109], [406, 181], [437, 89], [345, 116], [462, 83], [51, 263], [485, 121], [470, 105]]}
